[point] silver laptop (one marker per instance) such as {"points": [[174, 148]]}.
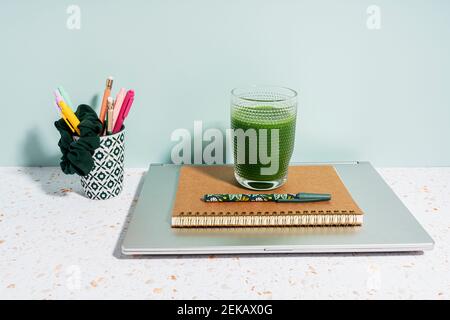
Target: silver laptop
{"points": [[388, 225]]}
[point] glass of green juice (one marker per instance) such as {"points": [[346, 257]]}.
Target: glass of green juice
{"points": [[263, 120]]}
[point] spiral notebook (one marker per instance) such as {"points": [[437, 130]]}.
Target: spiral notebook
{"points": [[190, 211]]}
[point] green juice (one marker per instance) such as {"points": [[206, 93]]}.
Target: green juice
{"points": [[269, 118]]}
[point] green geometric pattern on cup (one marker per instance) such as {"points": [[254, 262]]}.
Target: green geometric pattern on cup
{"points": [[105, 180]]}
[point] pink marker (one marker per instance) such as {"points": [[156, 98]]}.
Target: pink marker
{"points": [[118, 104], [58, 109], [58, 97], [124, 110]]}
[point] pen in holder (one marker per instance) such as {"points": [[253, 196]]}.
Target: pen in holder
{"points": [[105, 180], [90, 147]]}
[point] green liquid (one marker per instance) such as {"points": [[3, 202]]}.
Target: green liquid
{"points": [[264, 117]]}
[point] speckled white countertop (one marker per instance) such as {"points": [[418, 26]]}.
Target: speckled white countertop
{"points": [[57, 244]]}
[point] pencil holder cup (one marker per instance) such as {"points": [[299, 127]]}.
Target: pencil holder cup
{"points": [[105, 180]]}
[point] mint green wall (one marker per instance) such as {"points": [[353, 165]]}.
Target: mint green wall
{"points": [[380, 95]]}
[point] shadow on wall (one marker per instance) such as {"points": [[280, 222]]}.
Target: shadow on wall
{"points": [[34, 153], [50, 179], [311, 147], [95, 103]]}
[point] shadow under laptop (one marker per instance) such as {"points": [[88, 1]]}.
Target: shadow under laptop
{"points": [[270, 255], [39, 164], [311, 255]]}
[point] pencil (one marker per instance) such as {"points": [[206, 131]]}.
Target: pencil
{"points": [[109, 125], [106, 94]]}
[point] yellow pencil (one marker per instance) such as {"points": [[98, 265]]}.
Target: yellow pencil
{"points": [[69, 116], [106, 94]]}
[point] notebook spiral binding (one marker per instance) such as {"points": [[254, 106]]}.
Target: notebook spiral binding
{"points": [[268, 221]]}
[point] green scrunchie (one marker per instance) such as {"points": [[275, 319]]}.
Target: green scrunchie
{"points": [[77, 154]]}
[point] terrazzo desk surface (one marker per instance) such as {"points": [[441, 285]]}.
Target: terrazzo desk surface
{"points": [[56, 244]]}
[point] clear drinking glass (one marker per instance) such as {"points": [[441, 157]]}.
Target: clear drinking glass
{"points": [[263, 119]]}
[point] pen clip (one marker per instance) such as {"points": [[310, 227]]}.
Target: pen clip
{"points": [[308, 197], [68, 123], [58, 96]]}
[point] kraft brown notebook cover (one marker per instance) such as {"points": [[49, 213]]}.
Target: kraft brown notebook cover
{"points": [[195, 181]]}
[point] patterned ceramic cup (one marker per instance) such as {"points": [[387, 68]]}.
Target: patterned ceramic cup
{"points": [[105, 180]]}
